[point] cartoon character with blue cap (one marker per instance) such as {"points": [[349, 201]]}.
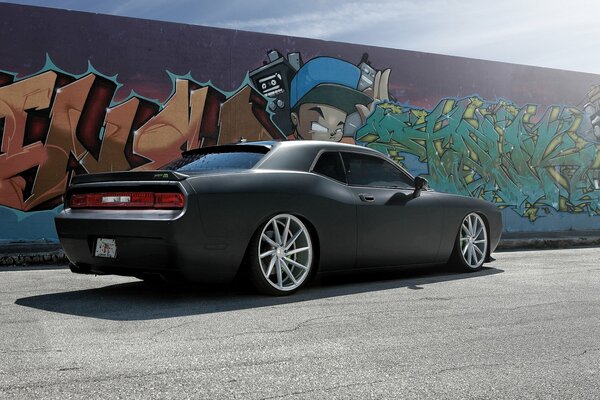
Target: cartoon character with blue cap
{"points": [[325, 91]]}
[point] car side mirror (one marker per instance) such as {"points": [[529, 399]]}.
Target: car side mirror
{"points": [[420, 184]]}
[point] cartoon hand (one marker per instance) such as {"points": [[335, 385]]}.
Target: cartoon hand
{"points": [[379, 92]]}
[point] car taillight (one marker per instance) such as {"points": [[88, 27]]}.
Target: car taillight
{"points": [[168, 200], [127, 200]]}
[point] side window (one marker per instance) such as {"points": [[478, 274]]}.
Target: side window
{"points": [[330, 165], [366, 170]]}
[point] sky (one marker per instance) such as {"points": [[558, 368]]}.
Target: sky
{"points": [[550, 33]]}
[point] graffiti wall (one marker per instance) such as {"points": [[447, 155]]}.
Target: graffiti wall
{"points": [[83, 93]]}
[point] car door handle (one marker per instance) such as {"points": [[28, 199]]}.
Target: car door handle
{"points": [[366, 197]]}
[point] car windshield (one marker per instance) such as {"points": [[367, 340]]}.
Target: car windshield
{"points": [[211, 161]]}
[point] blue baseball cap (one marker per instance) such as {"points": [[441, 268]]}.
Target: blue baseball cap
{"points": [[327, 80]]}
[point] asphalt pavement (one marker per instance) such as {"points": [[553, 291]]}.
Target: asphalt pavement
{"points": [[526, 327]]}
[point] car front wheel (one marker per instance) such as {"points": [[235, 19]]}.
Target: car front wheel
{"points": [[281, 255], [471, 247]]}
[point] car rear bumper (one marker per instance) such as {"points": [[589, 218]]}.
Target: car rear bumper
{"points": [[144, 239], [147, 241]]}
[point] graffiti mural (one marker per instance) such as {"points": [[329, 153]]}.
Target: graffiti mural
{"points": [[525, 138], [527, 158], [55, 125]]}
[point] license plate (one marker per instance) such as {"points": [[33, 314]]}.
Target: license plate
{"points": [[106, 248]]}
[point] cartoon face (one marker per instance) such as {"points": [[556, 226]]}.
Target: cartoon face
{"points": [[319, 122]]}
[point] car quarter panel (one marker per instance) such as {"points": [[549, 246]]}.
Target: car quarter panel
{"points": [[232, 208]]}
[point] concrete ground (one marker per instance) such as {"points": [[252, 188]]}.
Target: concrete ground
{"points": [[526, 327]]}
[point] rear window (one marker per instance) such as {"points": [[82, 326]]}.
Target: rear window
{"points": [[230, 160]]}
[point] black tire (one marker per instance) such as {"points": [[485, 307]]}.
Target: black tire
{"points": [[78, 270], [471, 246], [281, 256]]}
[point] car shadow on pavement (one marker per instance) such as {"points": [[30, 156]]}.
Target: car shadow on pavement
{"points": [[138, 300]]}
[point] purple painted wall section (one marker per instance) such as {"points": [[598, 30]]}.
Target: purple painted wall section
{"points": [[83, 93], [140, 51]]}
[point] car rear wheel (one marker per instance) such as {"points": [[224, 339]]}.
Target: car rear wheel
{"points": [[471, 247], [281, 255]]}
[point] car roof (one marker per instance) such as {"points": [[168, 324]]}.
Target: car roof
{"points": [[291, 155], [311, 144], [270, 144], [299, 155]]}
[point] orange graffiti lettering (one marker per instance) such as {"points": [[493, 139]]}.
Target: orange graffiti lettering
{"points": [[56, 126]]}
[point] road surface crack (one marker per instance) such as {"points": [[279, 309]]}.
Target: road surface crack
{"points": [[516, 364], [327, 389]]}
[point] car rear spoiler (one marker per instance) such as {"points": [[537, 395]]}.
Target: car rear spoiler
{"points": [[129, 176]]}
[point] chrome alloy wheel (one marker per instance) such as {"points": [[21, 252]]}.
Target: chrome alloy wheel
{"points": [[473, 241], [285, 252]]}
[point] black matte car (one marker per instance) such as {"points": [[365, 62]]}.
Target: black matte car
{"points": [[279, 211]]}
